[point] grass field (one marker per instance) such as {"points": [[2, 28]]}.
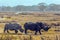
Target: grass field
{"points": [[21, 19]]}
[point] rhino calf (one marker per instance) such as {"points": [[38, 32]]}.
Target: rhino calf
{"points": [[13, 26]]}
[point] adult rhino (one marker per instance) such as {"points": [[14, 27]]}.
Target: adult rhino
{"points": [[35, 27], [13, 26]]}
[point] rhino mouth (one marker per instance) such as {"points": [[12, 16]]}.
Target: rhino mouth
{"points": [[46, 28], [21, 30]]}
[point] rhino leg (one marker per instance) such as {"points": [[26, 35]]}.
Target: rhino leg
{"points": [[25, 31], [7, 31], [4, 30], [36, 32], [40, 32], [16, 31]]}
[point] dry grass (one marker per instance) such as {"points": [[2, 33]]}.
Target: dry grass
{"points": [[29, 37], [21, 19]]}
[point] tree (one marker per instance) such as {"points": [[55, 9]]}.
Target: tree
{"points": [[8, 8], [42, 6], [52, 7]]}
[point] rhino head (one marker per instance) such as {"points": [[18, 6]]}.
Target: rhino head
{"points": [[21, 30], [46, 28]]}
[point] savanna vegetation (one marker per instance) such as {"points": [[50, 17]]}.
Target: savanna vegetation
{"points": [[48, 17]]}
